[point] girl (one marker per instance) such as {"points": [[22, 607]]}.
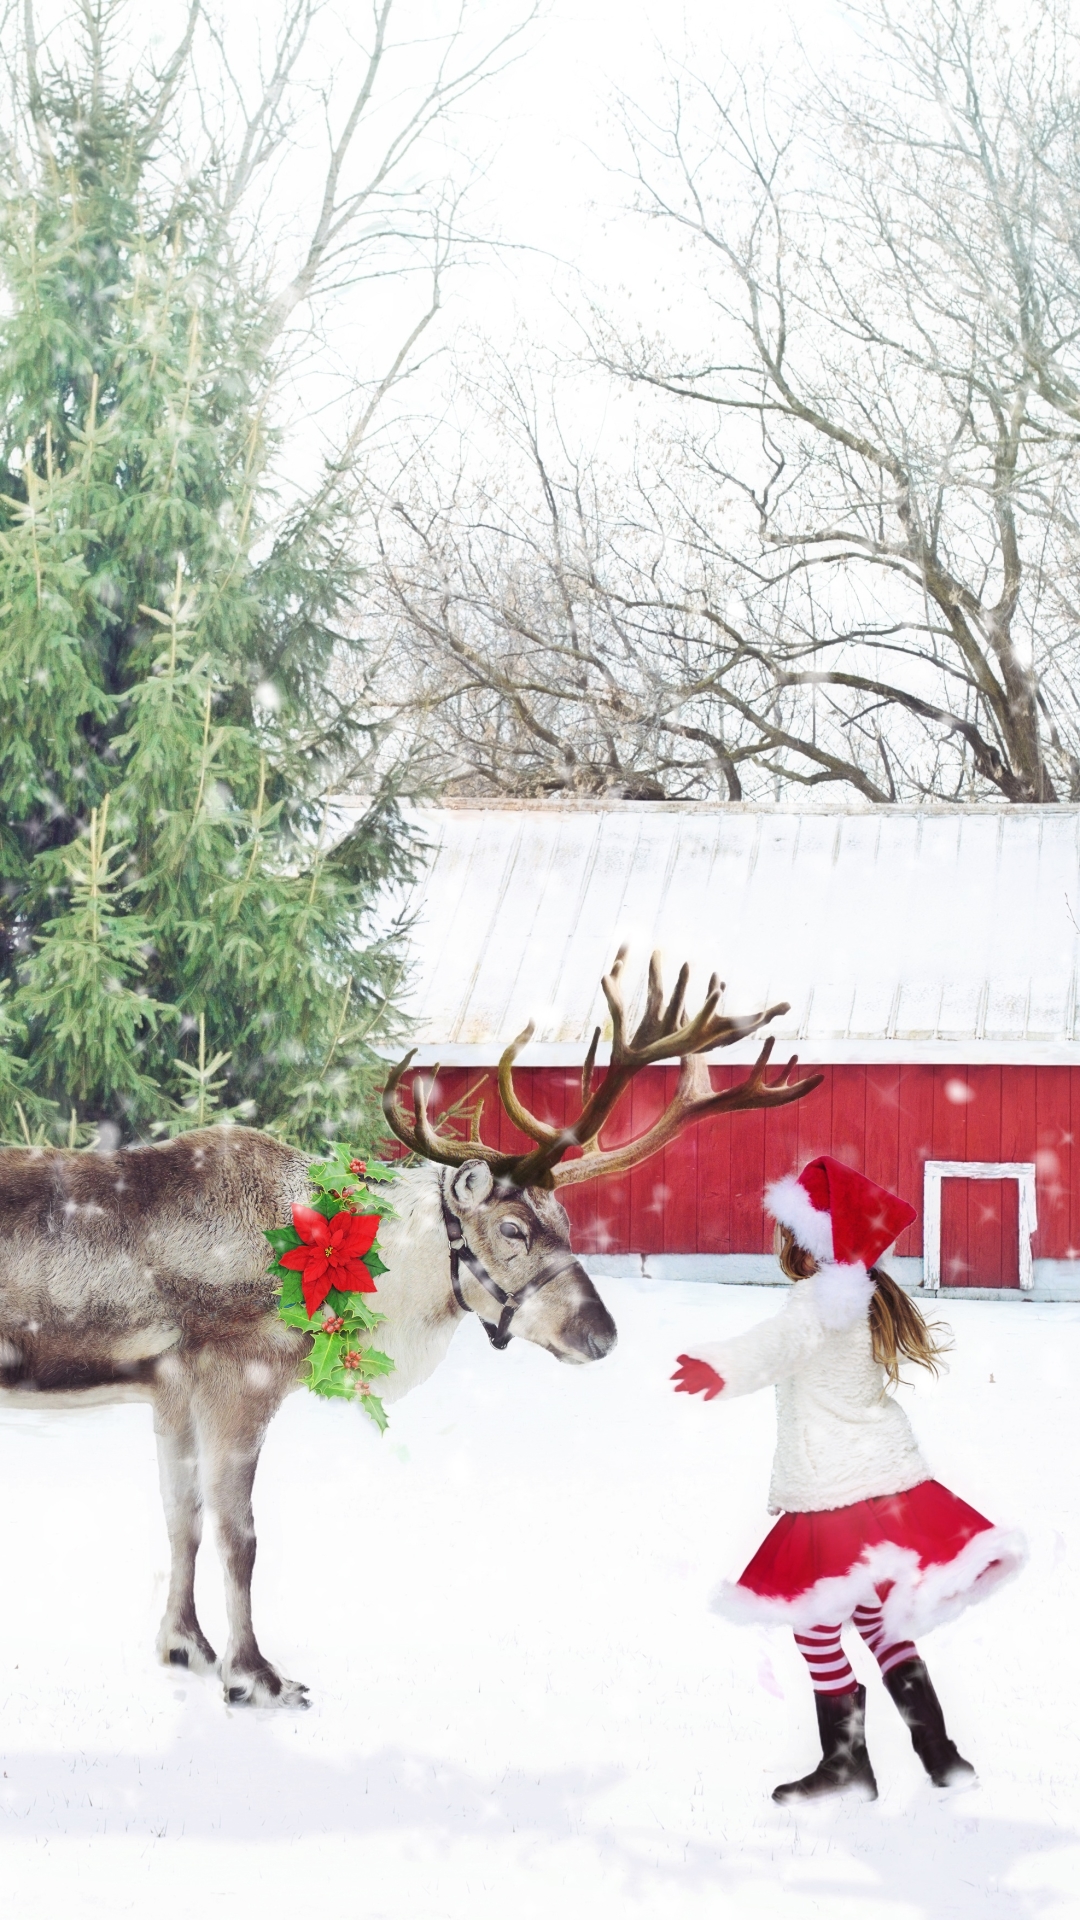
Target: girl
{"points": [[865, 1534]]}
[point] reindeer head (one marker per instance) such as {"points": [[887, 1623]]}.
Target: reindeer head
{"points": [[511, 1260]]}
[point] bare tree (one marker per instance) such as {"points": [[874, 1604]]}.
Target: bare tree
{"points": [[376, 93], [531, 641], [899, 312], [848, 553]]}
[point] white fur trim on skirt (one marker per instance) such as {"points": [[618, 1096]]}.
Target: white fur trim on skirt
{"points": [[920, 1597]]}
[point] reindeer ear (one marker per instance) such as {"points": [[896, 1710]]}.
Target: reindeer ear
{"points": [[471, 1185]]}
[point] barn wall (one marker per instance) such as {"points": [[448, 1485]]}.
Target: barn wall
{"points": [[703, 1194]]}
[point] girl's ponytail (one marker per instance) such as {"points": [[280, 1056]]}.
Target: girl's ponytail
{"points": [[898, 1330]]}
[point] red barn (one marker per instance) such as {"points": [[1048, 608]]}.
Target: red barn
{"points": [[930, 958]]}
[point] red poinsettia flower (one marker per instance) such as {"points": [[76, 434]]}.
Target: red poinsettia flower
{"points": [[332, 1253]]}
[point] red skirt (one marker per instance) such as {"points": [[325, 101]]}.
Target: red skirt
{"points": [[922, 1556]]}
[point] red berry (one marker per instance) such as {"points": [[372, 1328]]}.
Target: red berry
{"points": [[357, 1166]]}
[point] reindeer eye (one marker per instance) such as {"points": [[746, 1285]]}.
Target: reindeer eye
{"points": [[512, 1230]]}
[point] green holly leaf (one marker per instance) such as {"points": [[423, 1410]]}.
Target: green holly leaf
{"points": [[326, 1373], [292, 1292], [325, 1358], [296, 1316], [375, 1363], [333, 1389], [375, 1263], [359, 1330], [353, 1308]]}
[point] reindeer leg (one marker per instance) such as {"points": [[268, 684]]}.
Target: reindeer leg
{"points": [[232, 1427], [181, 1641]]}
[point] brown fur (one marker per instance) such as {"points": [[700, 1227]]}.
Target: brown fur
{"points": [[93, 1246]]}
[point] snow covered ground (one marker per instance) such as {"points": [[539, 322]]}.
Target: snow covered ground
{"points": [[521, 1705]]}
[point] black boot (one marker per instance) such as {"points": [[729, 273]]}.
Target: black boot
{"points": [[912, 1689], [845, 1763]]}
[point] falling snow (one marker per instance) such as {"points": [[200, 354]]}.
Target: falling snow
{"points": [[521, 1704]]}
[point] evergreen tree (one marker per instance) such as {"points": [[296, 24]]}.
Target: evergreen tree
{"points": [[173, 889]]}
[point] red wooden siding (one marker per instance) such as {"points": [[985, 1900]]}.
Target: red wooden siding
{"points": [[703, 1195], [979, 1233]]}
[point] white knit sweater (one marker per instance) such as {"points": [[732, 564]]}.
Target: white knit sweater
{"points": [[840, 1437]]}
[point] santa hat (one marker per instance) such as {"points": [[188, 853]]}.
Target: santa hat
{"points": [[846, 1221]]}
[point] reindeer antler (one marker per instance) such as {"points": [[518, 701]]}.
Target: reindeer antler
{"points": [[421, 1137], [663, 1033], [694, 1098]]}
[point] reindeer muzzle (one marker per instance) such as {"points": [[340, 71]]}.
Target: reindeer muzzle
{"points": [[592, 1330]]}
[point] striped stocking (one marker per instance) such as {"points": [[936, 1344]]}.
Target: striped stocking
{"points": [[888, 1653], [830, 1669]]}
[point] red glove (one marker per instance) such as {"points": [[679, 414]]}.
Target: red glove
{"points": [[696, 1376]]}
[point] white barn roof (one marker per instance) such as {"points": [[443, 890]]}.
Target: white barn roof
{"points": [[897, 934]]}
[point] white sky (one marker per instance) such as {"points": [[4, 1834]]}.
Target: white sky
{"points": [[545, 130], [551, 191], [549, 184], [546, 134]]}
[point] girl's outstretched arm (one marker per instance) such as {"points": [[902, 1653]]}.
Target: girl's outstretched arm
{"points": [[758, 1358]]}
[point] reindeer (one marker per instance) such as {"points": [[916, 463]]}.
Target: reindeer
{"points": [[143, 1275]]}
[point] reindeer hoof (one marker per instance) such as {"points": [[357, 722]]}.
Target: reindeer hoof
{"points": [[188, 1648], [266, 1689]]}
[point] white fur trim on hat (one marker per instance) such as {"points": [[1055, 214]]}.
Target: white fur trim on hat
{"points": [[842, 1294], [789, 1202]]}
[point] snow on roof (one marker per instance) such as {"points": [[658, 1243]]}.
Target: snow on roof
{"points": [[927, 934]]}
